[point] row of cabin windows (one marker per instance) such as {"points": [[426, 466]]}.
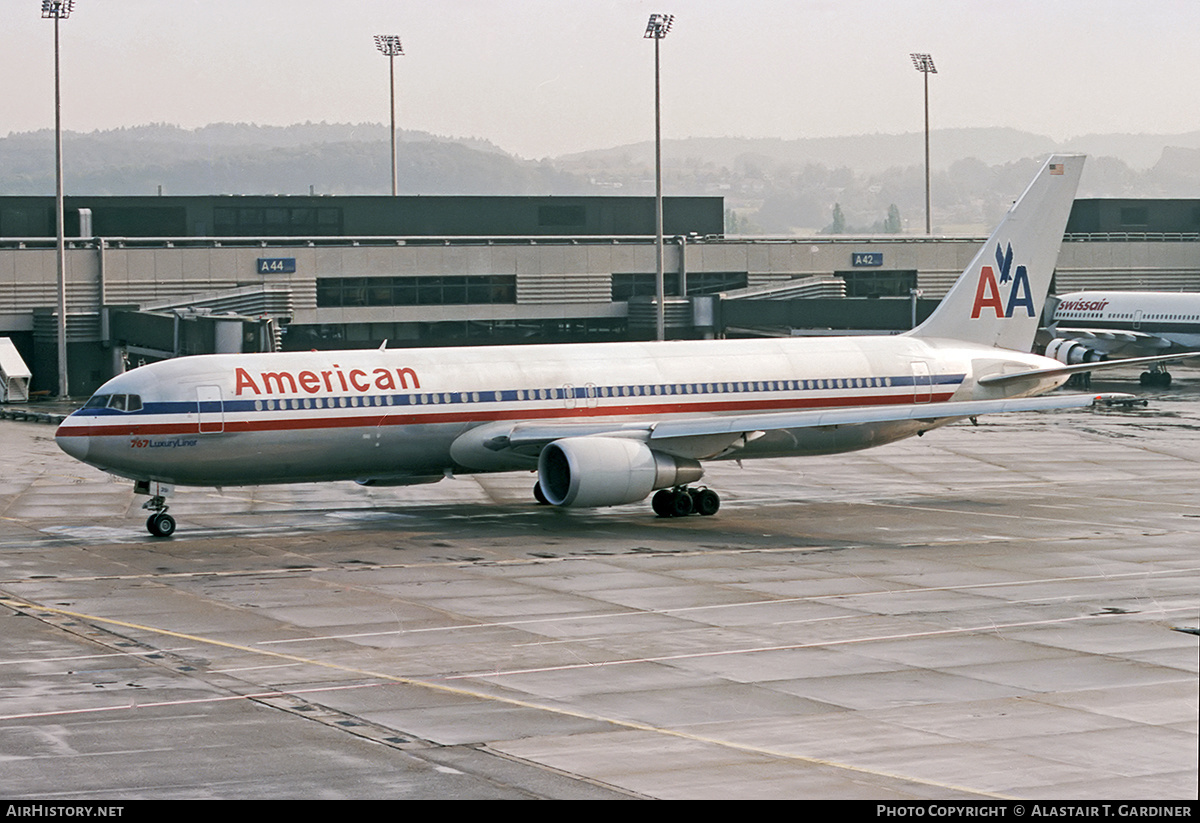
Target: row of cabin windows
{"points": [[1131, 316], [587, 392], [133, 402]]}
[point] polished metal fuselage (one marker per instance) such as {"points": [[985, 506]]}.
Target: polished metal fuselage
{"points": [[395, 415]]}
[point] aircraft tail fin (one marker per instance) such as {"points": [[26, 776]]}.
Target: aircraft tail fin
{"points": [[997, 301]]}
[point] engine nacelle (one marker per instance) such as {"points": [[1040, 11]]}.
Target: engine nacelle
{"points": [[1072, 352], [608, 471]]}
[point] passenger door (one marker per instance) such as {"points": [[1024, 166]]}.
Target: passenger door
{"points": [[210, 409]]}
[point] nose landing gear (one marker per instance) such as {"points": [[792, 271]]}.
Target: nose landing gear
{"points": [[159, 523]]}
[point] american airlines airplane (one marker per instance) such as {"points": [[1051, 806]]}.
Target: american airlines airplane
{"points": [[600, 424], [1091, 326]]}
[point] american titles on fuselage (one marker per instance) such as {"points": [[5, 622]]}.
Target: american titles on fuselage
{"points": [[312, 382]]}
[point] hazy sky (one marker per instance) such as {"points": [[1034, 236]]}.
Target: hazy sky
{"points": [[548, 77]]}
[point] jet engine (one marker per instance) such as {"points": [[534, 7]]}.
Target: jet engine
{"points": [[608, 471], [1072, 352]]}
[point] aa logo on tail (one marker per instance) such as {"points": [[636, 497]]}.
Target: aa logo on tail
{"points": [[988, 292]]}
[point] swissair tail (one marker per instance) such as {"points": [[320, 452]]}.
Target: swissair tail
{"points": [[997, 301]]}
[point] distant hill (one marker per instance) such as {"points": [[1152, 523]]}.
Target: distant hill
{"points": [[864, 153], [770, 186], [870, 153], [779, 186], [1138, 151], [239, 158]]}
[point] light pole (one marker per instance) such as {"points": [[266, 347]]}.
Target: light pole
{"points": [[59, 10], [914, 295], [656, 30], [924, 64], [389, 45]]}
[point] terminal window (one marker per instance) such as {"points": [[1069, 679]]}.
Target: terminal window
{"points": [[416, 291], [879, 283], [1135, 216], [625, 286], [562, 216], [277, 221]]}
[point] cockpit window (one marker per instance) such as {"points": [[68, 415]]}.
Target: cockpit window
{"points": [[119, 402]]}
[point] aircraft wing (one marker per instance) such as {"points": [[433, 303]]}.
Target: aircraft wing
{"points": [[1100, 365], [856, 416], [712, 434]]}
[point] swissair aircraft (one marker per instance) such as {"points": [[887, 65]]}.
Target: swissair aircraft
{"points": [[601, 424], [1091, 326]]}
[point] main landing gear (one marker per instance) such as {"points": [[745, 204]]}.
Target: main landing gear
{"points": [[1158, 377], [677, 502], [683, 500]]}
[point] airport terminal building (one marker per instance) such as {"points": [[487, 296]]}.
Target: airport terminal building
{"points": [[154, 277]]}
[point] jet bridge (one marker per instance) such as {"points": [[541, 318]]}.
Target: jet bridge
{"points": [[162, 334], [248, 319]]}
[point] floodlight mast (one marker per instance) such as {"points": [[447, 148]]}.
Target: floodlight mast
{"points": [[656, 29], [924, 64], [59, 10], [389, 45]]}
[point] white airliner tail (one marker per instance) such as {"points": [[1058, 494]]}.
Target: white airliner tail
{"points": [[998, 299]]}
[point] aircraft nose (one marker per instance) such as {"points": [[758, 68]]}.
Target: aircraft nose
{"points": [[74, 444]]}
